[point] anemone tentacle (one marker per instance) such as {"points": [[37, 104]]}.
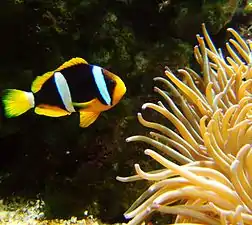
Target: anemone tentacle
{"points": [[212, 114]]}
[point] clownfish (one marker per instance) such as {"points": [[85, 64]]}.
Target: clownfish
{"points": [[75, 86]]}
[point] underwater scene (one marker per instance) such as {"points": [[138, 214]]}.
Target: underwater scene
{"points": [[133, 112]]}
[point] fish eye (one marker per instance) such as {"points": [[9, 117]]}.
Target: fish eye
{"points": [[109, 77], [111, 81], [104, 71]]}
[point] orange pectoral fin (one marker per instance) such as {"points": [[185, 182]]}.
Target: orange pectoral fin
{"points": [[52, 111], [87, 118], [72, 62], [83, 105], [93, 105]]}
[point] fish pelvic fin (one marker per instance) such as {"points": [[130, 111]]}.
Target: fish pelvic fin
{"points": [[51, 111], [17, 102], [40, 80], [72, 62], [87, 118]]}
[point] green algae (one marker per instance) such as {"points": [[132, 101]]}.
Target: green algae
{"points": [[22, 212]]}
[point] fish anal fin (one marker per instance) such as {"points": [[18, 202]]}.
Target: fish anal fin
{"points": [[40, 80], [87, 118], [72, 62], [52, 111]]}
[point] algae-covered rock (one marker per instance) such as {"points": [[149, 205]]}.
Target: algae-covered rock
{"points": [[21, 212]]}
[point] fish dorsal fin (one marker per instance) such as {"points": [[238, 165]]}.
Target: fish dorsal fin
{"points": [[72, 62], [39, 81]]}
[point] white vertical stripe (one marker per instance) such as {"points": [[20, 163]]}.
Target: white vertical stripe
{"points": [[64, 91], [30, 97], [101, 84]]}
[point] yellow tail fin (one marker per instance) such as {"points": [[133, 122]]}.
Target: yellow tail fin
{"points": [[17, 102]]}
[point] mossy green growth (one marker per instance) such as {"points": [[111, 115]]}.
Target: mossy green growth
{"points": [[18, 211], [219, 13]]}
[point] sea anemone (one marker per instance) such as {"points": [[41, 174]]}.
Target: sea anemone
{"points": [[210, 182]]}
